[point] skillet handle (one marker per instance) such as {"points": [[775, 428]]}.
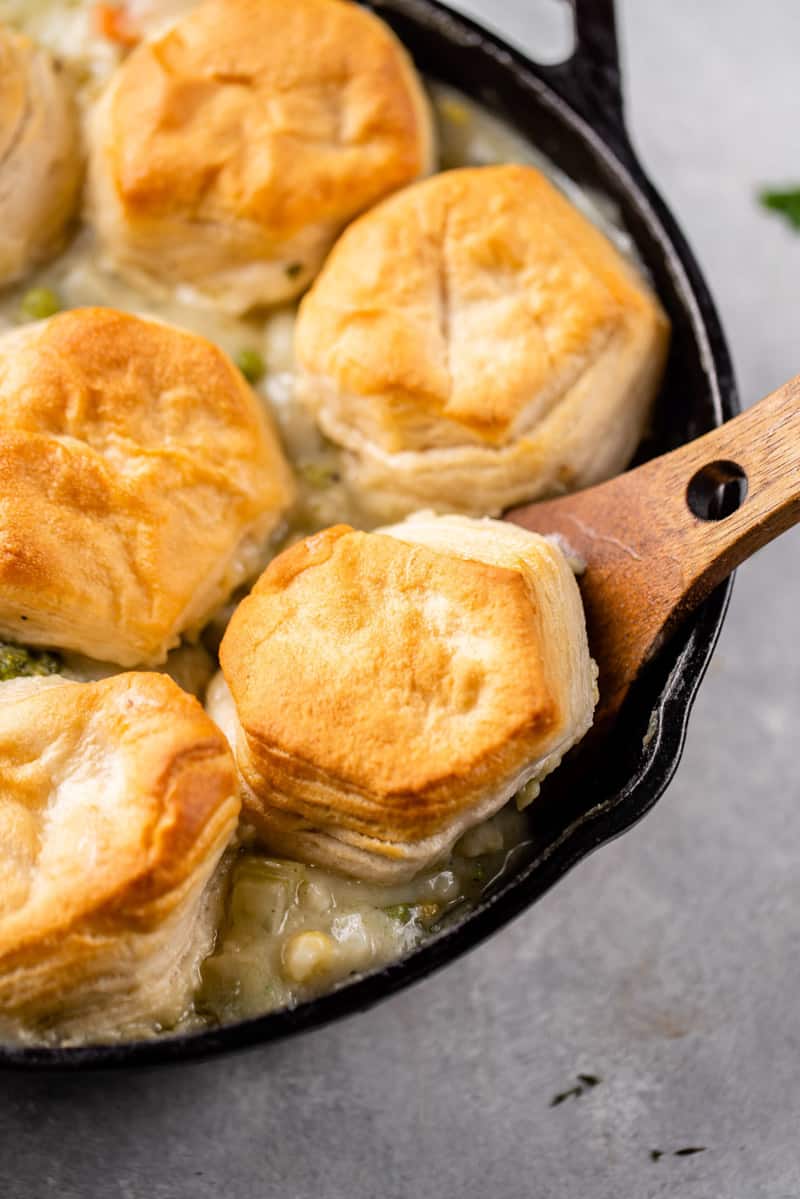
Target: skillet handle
{"points": [[591, 78], [657, 540]]}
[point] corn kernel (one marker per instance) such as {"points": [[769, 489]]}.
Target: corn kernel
{"points": [[307, 955]]}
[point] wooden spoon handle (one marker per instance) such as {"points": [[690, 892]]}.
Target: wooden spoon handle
{"points": [[650, 557]]}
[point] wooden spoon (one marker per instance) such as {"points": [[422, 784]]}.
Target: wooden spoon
{"points": [[657, 540]]}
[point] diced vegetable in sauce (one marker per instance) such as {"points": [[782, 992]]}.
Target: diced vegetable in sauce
{"points": [[112, 21]]}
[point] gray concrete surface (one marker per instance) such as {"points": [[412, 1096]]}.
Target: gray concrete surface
{"points": [[668, 964]]}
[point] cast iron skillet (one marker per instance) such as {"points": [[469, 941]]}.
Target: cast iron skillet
{"points": [[573, 112]]}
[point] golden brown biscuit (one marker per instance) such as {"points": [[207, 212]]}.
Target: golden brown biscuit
{"points": [[475, 342], [229, 151], [40, 161], [117, 799], [389, 694], [139, 480]]}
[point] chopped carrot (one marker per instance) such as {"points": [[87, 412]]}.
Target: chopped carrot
{"points": [[111, 21]]}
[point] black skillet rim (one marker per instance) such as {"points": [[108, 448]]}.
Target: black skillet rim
{"points": [[585, 93]]}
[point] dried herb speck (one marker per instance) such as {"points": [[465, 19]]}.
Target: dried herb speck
{"points": [[294, 269], [585, 1082], [689, 1150], [655, 1154]]}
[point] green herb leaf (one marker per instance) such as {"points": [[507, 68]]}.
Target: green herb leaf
{"points": [[251, 364], [17, 662], [399, 911], [787, 203], [420, 913]]}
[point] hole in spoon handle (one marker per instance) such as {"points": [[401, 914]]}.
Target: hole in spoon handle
{"points": [[744, 485], [717, 490]]}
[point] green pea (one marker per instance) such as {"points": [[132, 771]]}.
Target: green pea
{"points": [[251, 364], [39, 303]]}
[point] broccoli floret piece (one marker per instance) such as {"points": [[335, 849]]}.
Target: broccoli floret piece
{"points": [[17, 662]]}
